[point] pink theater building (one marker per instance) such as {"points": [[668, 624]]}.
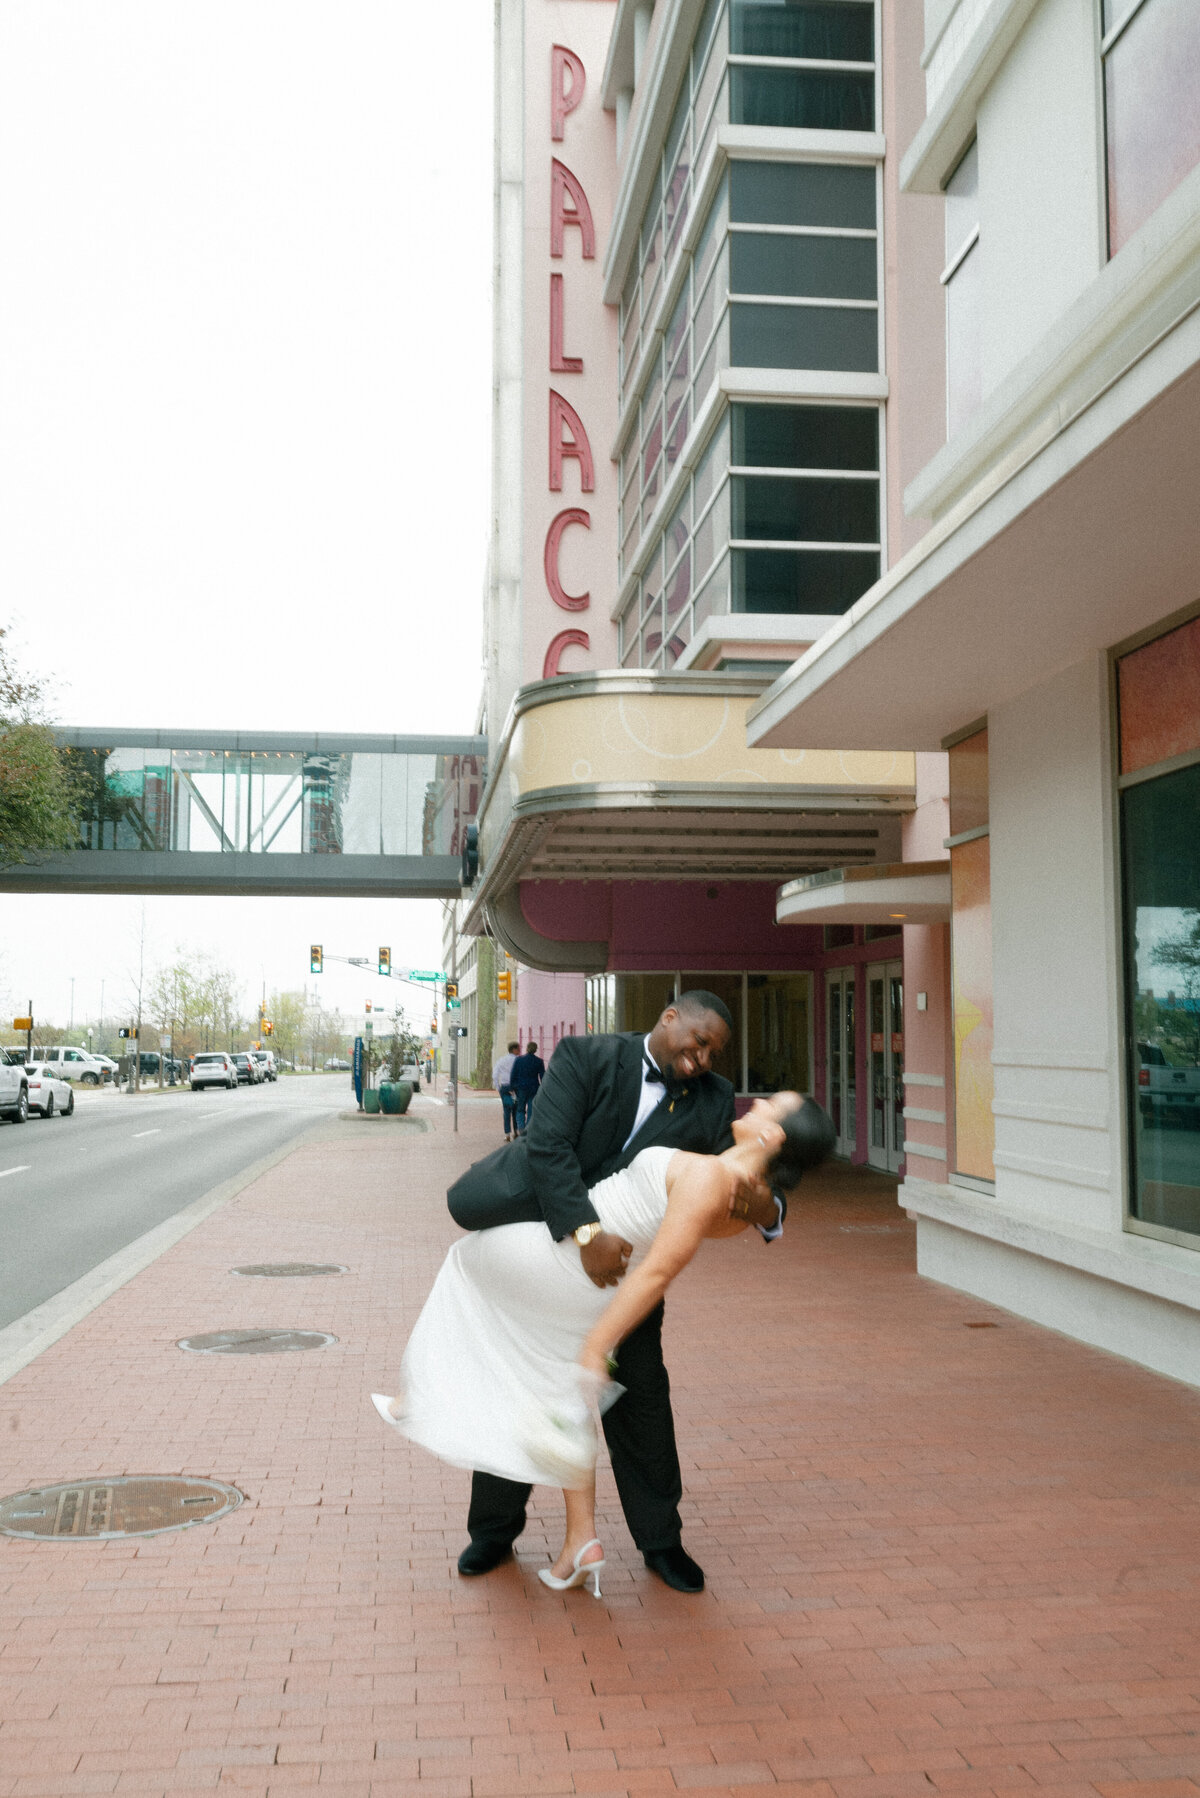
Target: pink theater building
{"points": [[707, 277]]}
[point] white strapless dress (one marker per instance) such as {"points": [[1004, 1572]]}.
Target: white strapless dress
{"points": [[494, 1352]]}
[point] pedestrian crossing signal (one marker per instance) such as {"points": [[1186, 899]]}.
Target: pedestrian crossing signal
{"points": [[316, 957], [268, 1027], [385, 961]]}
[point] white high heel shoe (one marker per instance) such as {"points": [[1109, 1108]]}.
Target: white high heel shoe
{"points": [[581, 1574], [383, 1405]]}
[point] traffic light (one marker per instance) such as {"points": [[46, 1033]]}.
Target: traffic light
{"points": [[504, 987], [452, 989], [316, 957], [268, 1027], [368, 1005], [385, 961]]}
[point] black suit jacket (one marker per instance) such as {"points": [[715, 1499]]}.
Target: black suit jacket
{"points": [[585, 1109]]}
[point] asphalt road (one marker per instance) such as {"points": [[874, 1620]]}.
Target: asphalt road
{"points": [[75, 1190]]}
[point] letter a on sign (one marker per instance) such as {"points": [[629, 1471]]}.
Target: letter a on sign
{"points": [[562, 413], [564, 185]]}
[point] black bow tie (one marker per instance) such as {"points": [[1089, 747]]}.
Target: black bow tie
{"points": [[655, 1077]]}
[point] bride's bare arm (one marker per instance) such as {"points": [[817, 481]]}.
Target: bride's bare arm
{"points": [[698, 1188]]}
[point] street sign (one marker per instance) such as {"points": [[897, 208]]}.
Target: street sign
{"points": [[424, 974], [453, 1004], [22, 1023], [164, 1041]]}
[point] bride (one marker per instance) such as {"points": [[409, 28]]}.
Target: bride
{"points": [[515, 1344]]}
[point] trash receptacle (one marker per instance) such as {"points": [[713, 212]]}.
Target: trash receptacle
{"points": [[370, 1099]]}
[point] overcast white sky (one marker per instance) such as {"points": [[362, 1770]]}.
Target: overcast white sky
{"points": [[244, 408]]}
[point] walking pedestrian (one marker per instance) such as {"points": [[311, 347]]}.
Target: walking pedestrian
{"points": [[502, 1081], [526, 1077]]}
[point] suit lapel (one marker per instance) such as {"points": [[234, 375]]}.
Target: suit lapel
{"points": [[629, 1083]]}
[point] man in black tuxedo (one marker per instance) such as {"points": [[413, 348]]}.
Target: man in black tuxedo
{"points": [[605, 1098]]}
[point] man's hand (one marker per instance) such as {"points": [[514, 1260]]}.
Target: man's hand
{"points": [[752, 1202], [604, 1258]]}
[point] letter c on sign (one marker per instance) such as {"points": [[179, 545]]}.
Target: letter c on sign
{"points": [[570, 602], [563, 641]]}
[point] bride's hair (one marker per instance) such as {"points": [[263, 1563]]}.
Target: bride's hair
{"points": [[808, 1137]]}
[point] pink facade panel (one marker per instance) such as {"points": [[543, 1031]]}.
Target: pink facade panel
{"points": [[549, 1007]]}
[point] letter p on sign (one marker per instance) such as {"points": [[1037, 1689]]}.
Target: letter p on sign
{"points": [[567, 82]]}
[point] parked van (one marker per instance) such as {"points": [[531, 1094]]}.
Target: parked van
{"points": [[71, 1063]]}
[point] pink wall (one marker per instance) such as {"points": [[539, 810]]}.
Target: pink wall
{"points": [[550, 1006], [652, 924]]}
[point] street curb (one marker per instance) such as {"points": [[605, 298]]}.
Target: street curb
{"points": [[30, 1336]]}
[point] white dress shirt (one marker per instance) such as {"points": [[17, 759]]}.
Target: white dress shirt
{"points": [[651, 1095]]}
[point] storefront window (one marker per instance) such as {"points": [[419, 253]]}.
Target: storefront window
{"points": [[777, 1030], [1162, 921]]}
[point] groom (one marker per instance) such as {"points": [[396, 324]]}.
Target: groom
{"points": [[603, 1100]]}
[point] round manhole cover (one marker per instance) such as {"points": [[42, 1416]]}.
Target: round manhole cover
{"points": [[136, 1505], [255, 1342], [291, 1270]]}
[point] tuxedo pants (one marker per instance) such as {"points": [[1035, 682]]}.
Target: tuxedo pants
{"points": [[640, 1432]]}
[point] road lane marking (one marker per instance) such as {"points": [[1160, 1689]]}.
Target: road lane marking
{"points": [[5, 1171], [138, 1133]]}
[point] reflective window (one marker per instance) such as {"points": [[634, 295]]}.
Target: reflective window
{"points": [[276, 801], [1151, 58], [1161, 846], [838, 33]]}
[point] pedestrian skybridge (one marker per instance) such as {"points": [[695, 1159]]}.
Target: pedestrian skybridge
{"points": [[269, 813]]}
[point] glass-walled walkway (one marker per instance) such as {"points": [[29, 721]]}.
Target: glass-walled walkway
{"points": [[163, 811]]}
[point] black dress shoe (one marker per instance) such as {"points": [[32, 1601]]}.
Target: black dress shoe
{"points": [[481, 1557], [676, 1568]]}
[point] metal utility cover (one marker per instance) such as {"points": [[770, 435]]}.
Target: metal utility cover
{"points": [[262, 1341], [100, 1509], [291, 1270]]}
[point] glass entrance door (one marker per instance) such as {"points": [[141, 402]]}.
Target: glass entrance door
{"points": [[840, 1052], [885, 1053]]}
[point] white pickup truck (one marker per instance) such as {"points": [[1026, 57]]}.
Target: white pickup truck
{"points": [[14, 1086], [1166, 1092]]}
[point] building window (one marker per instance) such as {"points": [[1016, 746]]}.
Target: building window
{"points": [[804, 507], [799, 64], [803, 64], [1160, 724], [1151, 55], [782, 515], [962, 279]]}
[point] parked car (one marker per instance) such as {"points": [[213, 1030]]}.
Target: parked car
{"points": [[48, 1091], [248, 1071], [266, 1061], [1164, 1091], [75, 1064], [149, 1065], [213, 1068], [14, 1087], [335, 1064]]}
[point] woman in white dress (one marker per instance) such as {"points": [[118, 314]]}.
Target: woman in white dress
{"points": [[514, 1347]]}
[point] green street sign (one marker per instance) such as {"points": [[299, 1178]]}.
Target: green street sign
{"points": [[424, 974], [453, 1004]]}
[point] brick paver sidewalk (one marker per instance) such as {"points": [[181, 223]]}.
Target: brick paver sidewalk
{"points": [[941, 1559]]}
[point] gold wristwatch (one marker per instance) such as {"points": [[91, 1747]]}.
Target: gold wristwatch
{"points": [[587, 1233]]}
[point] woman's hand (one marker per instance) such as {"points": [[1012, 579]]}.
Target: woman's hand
{"points": [[594, 1363], [752, 1202]]}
